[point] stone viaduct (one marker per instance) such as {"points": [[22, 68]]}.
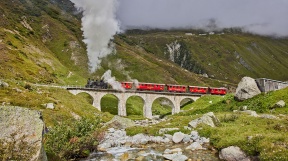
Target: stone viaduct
{"points": [[147, 96]]}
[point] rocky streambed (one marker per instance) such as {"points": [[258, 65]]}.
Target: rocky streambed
{"points": [[179, 147], [116, 145]]}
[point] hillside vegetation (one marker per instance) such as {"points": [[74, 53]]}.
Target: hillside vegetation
{"points": [[41, 41], [227, 55], [258, 136]]}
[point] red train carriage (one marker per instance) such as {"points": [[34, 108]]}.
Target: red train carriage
{"points": [[197, 89], [218, 91], [151, 87], [176, 88], [127, 85]]}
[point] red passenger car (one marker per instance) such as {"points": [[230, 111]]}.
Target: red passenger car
{"points": [[197, 89], [218, 91], [127, 85], [151, 87], [176, 88]]}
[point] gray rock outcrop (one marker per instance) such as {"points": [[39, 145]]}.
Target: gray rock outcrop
{"points": [[3, 84], [21, 134], [120, 122], [208, 119], [174, 155], [50, 106], [233, 153], [178, 137], [280, 104], [267, 116], [247, 88]]}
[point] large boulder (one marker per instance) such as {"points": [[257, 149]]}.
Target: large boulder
{"points": [[247, 88], [21, 134], [233, 153], [119, 122], [208, 119]]}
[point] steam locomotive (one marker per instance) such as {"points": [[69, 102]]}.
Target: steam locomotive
{"points": [[96, 84], [160, 87]]}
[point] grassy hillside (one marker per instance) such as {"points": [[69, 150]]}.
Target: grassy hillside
{"points": [[227, 55], [257, 136], [40, 41]]}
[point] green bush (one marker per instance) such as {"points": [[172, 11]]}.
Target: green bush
{"points": [[73, 140]]}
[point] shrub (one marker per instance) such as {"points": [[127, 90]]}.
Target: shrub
{"points": [[73, 140]]}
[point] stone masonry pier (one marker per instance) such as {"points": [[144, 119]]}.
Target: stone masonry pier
{"points": [[148, 97]]}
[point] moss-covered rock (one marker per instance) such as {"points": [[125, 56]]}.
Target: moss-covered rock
{"points": [[21, 134]]}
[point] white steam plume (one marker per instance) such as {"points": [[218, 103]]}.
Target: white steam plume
{"points": [[112, 81], [99, 26]]}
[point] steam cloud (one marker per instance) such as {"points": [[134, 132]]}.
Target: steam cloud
{"points": [[99, 26], [266, 17], [107, 77]]}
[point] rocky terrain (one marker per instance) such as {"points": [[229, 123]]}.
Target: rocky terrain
{"points": [[41, 42]]}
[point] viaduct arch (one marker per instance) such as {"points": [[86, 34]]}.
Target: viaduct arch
{"points": [[147, 96]]}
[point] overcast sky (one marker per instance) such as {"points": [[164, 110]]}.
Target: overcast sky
{"points": [[260, 16]]}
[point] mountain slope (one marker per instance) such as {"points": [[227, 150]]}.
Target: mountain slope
{"points": [[40, 41], [228, 55]]}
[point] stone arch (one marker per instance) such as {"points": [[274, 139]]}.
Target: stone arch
{"points": [[185, 101], [108, 102], [76, 92], [171, 102], [135, 96]]}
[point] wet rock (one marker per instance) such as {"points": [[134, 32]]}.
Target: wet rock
{"points": [[178, 137], [176, 150], [175, 157], [140, 158], [140, 139], [22, 129], [194, 146], [124, 157], [208, 119], [247, 88], [233, 153], [186, 139], [202, 140], [194, 135], [168, 136]]}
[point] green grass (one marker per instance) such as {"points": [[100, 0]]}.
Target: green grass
{"points": [[257, 136], [33, 97]]}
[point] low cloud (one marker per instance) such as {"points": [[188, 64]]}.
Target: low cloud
{"points": [[263, 17]]}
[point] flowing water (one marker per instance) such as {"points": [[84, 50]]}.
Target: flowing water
{"points": [[150, 152]]}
